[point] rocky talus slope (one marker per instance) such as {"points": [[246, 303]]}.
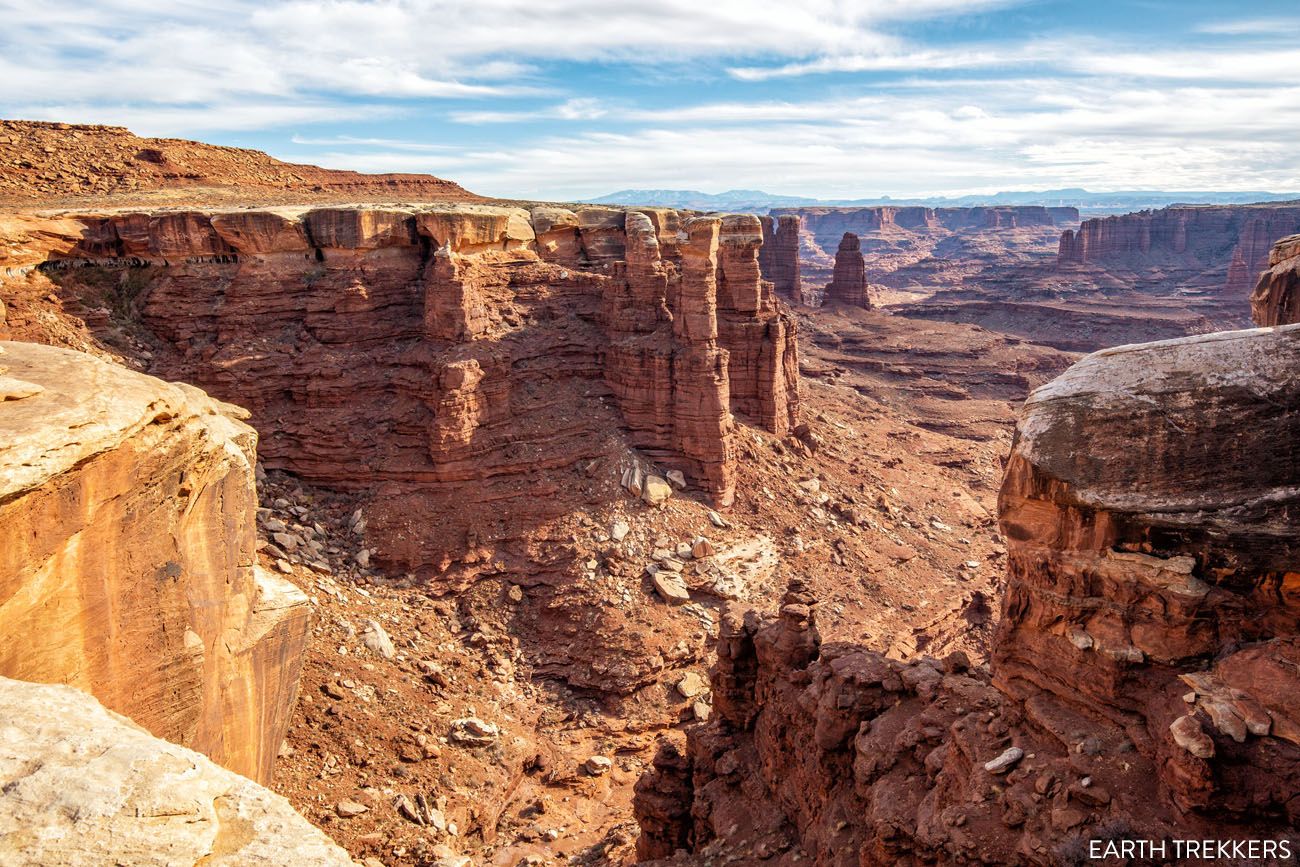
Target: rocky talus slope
{"points": [[127, 556], [1143, 680], [1275, 300], [82, 786]]}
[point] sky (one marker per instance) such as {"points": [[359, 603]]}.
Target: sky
{"points": [[573, 99]]}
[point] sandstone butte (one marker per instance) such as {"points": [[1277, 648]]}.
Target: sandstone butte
{"points": [[1142, 680], [399, 352], [127, 565], [849, 284], [779, 255]]}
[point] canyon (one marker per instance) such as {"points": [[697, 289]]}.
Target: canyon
{"points": [[518, 533], [1137, 686], [1042, 275]]}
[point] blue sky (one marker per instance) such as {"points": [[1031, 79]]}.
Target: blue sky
{"points": [[572, 99]]}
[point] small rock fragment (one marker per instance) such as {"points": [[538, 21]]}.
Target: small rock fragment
{"points": [[691, 684], [1189, 735], [377, 641], [671, 587], [347, 809], [1006, 761], [598, 765], [656, 491]]}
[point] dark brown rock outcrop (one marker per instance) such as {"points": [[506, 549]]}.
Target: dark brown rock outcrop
{"points": [[1143, 680], [849, 285], [1276, 300]]}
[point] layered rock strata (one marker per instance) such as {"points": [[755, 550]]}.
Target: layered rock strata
{"points": [[779, 255], [127, 556], [1143, 681], [826, 224], [457, 363], [83, 785], [849, 284], [1276, 300], [1232, 241]]}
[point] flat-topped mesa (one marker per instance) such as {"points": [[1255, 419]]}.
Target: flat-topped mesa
{"points": [[827, 224], [1230, 241], [413, 352], [1276, 299], [849, 285], [779, 255], [1143, 675], [127, 556]]}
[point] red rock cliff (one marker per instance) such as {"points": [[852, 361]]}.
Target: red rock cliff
{"points": [[1231, 240], [127, 565], [1143, 682], [779, 255], [1276, 300], [419, 354]]}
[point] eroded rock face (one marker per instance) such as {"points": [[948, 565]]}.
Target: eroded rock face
{"points": [[849, 285], [779, 255], [828, 223], [127, 556], [83, 785], [1143, 681], [1275, 300], [1233, 241], [1149, 547], [456, 363]]}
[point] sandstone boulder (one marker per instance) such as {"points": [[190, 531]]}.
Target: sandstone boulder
{"points": [[83, 785]]}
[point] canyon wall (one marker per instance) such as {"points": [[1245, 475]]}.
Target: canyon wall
{"points": [[1143, 679], [849, 283], [828, 225], [1228, 243], [454, 364], [83, 785], [1276, 300], [127, 556]]}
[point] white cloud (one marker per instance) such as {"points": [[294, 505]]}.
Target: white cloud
{"points": [[579, 108], [133, 52], [902, 117], [1280, 27], [1024, 133]]}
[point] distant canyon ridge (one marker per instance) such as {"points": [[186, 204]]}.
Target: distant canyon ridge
{"points": [[1117, 202]]}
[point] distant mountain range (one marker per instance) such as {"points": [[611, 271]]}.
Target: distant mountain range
{"points": [[1118, 202]]}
